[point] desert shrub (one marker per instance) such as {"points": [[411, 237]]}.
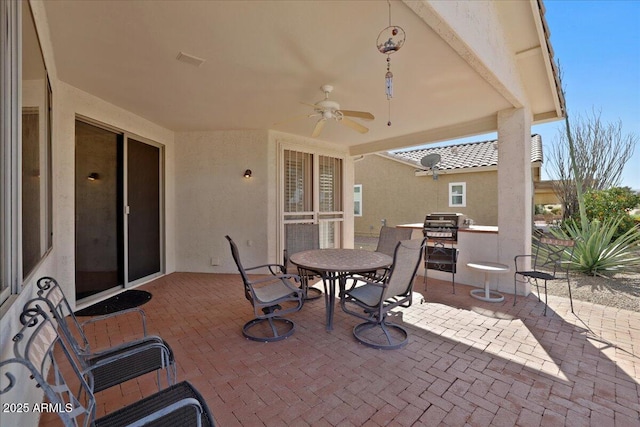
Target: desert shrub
{"points": [[598, 251], [615, 202]]}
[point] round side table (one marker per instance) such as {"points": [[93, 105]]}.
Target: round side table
{"points": [[487, 268]]}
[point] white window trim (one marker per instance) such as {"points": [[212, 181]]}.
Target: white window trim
{"points": [[10, 61], [357, 199], [464, 195]]}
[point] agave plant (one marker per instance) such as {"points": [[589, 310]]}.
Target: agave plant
{"points": [[597, 252]]}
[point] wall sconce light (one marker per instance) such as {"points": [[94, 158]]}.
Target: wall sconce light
{"points": [[93, 176], [247, 173]]}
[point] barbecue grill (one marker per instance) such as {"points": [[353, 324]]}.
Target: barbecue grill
{"points": [[441, 228], [443, 225]]}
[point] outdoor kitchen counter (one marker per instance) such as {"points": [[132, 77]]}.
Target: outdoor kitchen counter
{"points": [[469, 229], [474, 242]]}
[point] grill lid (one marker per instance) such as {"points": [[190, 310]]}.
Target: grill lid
{"points": [[444, 219]]}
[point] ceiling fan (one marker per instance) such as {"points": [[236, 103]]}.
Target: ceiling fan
{"points": [[327, 109]]}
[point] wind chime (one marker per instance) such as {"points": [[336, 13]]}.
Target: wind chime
{"points": [[390, 40]]}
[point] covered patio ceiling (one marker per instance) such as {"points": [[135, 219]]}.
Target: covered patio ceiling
{"points": [[263, 58]]}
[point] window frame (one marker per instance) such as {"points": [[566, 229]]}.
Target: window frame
{"points": [[12, 106], [357, 198], [10, 116], [463, 204]]}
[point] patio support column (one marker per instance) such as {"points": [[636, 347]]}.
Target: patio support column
{"points": [[515, 191]]}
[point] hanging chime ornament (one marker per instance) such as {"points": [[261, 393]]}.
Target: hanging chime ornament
{"points": [[390, 40]]}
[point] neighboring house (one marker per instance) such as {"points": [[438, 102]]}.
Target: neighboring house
{"points": [[395, 188]]}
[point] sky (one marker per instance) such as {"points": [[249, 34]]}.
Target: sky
{"points": [[598, 46]]}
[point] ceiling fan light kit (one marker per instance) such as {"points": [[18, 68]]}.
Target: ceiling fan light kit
{"points": [[327, 109], [390, 40]]}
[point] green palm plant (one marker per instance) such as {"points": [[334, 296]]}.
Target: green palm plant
{"points": [[597, 251]]}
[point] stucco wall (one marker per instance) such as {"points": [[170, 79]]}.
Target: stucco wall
{"points": [[391, 191], [214, 199]]}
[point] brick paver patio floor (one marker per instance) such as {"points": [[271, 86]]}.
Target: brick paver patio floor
{"points": [[467, 362]]}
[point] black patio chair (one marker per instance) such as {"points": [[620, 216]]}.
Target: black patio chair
{"points": [[49, 361], [300, 238], [551, 261], [374, 300], [113, 365], [271, 297]]}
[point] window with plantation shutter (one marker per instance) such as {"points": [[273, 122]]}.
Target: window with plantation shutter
{"points": [[312, 193]]}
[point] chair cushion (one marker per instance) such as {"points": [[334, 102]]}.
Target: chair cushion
{"points": [[367, 294]]}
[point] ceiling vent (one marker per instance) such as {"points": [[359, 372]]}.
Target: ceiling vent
{"points": [[190, 59]]}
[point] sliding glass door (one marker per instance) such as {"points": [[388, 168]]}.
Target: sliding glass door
{"points": [[118, 210], [99, 203], [143, 209]]}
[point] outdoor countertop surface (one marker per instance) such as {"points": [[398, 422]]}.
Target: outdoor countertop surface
{"points": [[470, 229]]}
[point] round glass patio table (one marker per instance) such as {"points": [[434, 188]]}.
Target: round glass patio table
{"points": [[334, 264]]}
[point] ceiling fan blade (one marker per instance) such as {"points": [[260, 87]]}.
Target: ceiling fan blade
{"points": [[318, 128], [353, 125], [359, 114]]}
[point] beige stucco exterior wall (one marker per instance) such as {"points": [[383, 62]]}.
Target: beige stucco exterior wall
{"points": [[214, 199], [391, 191]]}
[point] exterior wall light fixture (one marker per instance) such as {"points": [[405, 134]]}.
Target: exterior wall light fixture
{"points": [[93, 176], [247, 173]]}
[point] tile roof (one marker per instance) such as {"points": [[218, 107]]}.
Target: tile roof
{"points": [[468, 155]]}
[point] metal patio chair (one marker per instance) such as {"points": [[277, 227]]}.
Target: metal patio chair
{"points": [[551, 261], [113, 365], [300, 238], [374, 300], [271, 297], [49, 361], [387, 242]]}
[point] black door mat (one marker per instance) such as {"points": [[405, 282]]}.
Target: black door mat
{"points": [[127, 299]]}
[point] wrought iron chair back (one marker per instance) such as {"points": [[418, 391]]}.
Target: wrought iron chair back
{"points": [[50, 362], [554, 255], [110, 366]]}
